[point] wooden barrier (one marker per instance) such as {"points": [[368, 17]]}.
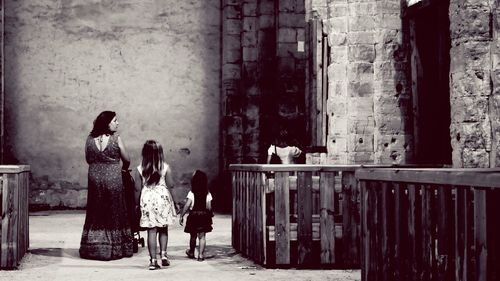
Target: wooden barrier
{"points": [[296, 215], [430, 224], [14, 228]]}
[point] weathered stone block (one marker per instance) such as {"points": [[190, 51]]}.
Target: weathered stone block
{"points": [[390, 21], [469, 21], [286, 5], [389, 70], [249, 39], [361, 158], [291, 20], [360, 107], [472, 82], [360, 71], [392, 125], [231, 42], [336, 25], [337, 145], [361, 52], [360, 143], [337, 89], [338, 54], [266, 8], [231, 56], [250, 54], [231, 71], [233, 124], [338, 126], [469, 55], [390, 52], [364, 126], [362, 23], [249, 24], [361, 37], [266, 21], [362, 8], [231, 27], [360, 88], [389, 36], [232, 12], [469, 108], [250, 9], [287, 35], [338, 10], [475, 158], [337, 39], [337, 108], [337, 71]]}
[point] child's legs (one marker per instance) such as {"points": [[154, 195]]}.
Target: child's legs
{"points": [[152, 242], [163, 239], [192, 242], [201, 237]]}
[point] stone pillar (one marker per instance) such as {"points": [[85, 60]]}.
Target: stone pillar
{"points": [[368, 94], [474, 71]]}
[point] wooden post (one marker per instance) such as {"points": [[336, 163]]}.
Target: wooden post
{"points": [[327, 223], [282, 218], [304, 228]]}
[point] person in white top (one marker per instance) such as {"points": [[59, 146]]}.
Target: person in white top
{"points": [[287, 153]]}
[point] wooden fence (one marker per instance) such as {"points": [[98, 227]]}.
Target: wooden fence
{"points": [[430, 224], [296, 215], [14, 228]]}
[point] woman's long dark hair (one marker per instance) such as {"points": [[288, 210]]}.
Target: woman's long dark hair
{"points": [[152, 162], [101, 124], [199, 187]]}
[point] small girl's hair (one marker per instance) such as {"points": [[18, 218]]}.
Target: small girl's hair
{"points": [[152, 162], [199, 184]]}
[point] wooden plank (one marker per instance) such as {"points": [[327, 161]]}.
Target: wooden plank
{"points": [[350, 221], [324, 90], [327, 208], [428, 225], [282, 218], [485, 178], [9, 222], [319, 82], [480, 235], [234, 213], [385, 233], [315, 83], [365, 233], [413, 227], [463, 271], [261, 219], [401, 264], [304, 214], [445, 235]]}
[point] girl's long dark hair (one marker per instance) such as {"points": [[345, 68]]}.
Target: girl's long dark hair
{"points": [[152, 162], [199, 187], [101, 124]]}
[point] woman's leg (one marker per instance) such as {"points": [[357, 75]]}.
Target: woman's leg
{"points": [[152, 242], [201, 251], [163, 239]]}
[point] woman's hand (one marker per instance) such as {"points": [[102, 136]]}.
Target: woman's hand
{"points": [[181, 220]]}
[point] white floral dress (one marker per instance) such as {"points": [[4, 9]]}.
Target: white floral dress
{"points": [[157, 205]]}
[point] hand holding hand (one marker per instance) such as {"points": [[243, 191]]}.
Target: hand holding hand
{"points": [[181, 220]]}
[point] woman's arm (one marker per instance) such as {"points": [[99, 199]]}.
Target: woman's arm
{"points": [[137, 187], [168, 177], [123, 154]]}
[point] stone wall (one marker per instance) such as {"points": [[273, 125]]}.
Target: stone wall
{"points": [[156, 63], [369, 97], [475, 83]]}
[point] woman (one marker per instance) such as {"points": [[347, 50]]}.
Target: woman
{"points": [[287, 153], [106, 233]]}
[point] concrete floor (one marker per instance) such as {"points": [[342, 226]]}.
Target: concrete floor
{"points": [[55, 238]]}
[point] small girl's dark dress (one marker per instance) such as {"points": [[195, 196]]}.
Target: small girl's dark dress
{"points": [[199, 218]]}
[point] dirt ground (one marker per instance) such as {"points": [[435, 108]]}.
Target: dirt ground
{"points": [[55, 238]]}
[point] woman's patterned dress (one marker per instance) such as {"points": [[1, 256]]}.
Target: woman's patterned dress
{"points": [[106, 233]]}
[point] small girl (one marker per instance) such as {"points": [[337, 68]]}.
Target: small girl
{"points": [[156, 204], [199, 221]]}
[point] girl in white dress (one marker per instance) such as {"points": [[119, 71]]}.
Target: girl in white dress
{"points": [[156, 203]]}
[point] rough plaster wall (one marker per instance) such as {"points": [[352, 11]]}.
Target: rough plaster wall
{"points": [[155, 62], [474, 87]]}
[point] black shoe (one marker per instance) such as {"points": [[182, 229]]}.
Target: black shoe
{"points": [[153, 265], [165, 261], [201, 258]]}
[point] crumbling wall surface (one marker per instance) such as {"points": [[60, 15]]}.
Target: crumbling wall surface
{"points": [[154, 62], [475, 83], [368, 102]]}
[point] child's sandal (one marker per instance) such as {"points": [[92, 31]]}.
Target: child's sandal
{"points": [[190, 254], [153, 265]]}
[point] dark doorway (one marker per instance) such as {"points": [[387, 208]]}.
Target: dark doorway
{"points": [[430, 63]]}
